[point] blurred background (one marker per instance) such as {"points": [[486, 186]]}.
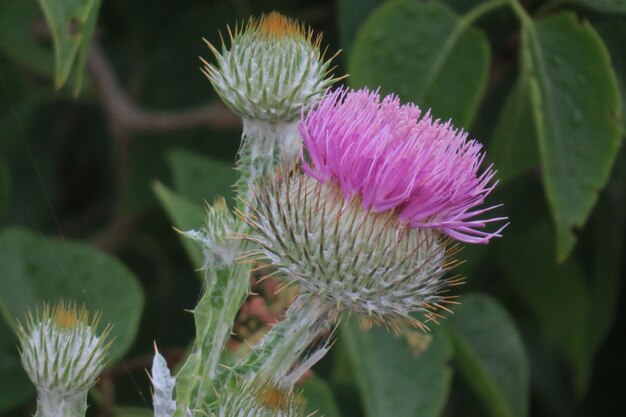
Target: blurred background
{"points": [[110, 136]]}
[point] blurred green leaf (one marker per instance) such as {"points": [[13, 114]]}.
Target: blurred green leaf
{"points": [[426, 54], [462, 6], [18, 39], [394, 379], [514, 140], [350, 16], [200, 178], [38, 269], [613, 32], [607, 247], [319, 398], [72, 23], [577, 111], [609, 6], [5, 184], [85, 45], [556, 294], [15, 387], [185, 215], [491, 355]]}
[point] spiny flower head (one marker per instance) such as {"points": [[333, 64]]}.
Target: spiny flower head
{"points": [[273, 69], [395, 158], [356, 260], [61, 350]]}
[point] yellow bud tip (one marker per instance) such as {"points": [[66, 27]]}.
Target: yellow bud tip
{"points": [[273, 397], [66, 316], [69, 316], [277, 26]]}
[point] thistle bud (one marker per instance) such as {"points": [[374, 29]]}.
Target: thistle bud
{"points": [[273, 68], [271, 73], [63, 356], [257, 398], [215, 238], [368, 225]]}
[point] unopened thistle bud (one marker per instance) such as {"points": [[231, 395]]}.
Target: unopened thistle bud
{"points": [[216, 237], [257, 398], [63, 356], [367, 226], [273, 70]]}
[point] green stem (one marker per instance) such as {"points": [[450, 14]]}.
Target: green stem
{"points": [[265, 146], [55, 403], [274, 357], [225, 290]]}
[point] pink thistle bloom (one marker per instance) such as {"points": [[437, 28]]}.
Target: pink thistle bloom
{"points": [[394, 158]]}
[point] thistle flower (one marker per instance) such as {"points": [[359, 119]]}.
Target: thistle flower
{"points": [[63, 356], [369, 223], [273, 68], [383, 152]]}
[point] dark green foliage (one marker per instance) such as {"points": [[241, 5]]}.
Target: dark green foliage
{"points": [[396, 378], [490, 355], [541, 82], [414, 50]]}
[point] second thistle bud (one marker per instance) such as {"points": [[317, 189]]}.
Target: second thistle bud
{"points": [[63, 356], [257, 398]]}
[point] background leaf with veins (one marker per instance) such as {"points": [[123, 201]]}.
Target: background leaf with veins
{"points": [[577, 111], [414, 50]]}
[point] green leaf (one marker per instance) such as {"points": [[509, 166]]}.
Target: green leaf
{"points": [[38, 269], [15, 387], [72, 23], [5, 184], [199, 178], [607, 250], [607, 6], [395, 380], [17, 40], [185, 215], [514, 141], [577, 111], [462, 6], [490, 354], [613, 32], [556, 294], [85, 45], [426, 54], [319, 398], [350, 16]]}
